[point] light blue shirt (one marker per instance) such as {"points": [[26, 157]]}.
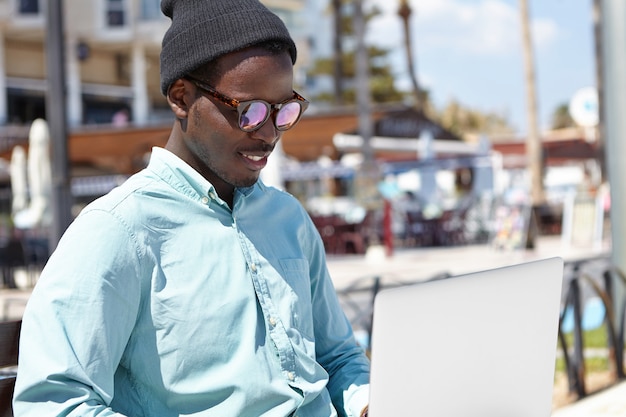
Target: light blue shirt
{"points": [[161, 301]]}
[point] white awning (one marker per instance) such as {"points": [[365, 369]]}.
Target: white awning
{"points": [[345, 142]]}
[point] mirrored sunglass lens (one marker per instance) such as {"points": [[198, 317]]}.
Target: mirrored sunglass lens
{"points": [[288, 115], [253, 115]]}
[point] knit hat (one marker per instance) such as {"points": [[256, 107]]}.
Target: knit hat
{"points": [[203, 30]]}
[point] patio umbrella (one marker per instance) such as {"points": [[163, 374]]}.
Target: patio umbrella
{"points": [[39, 178], [17, 170], [272, 174]]}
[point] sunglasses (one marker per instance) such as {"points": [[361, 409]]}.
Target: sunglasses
{"points": [[253, 114]]}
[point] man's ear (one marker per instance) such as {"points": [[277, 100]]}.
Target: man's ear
{"points": [[177, 97]]}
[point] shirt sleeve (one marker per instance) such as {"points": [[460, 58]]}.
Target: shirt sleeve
{"points": [[78, 321], [336, 348]]}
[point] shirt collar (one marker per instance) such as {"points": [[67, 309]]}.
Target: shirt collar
{"points": [[187, 180]]}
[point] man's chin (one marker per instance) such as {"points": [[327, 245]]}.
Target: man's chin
{"points": [[247, 182]]}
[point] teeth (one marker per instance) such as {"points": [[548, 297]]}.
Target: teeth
{"points": [[254, 158]]}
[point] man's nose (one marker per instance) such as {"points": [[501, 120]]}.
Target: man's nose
{"points": [[268, 132]]}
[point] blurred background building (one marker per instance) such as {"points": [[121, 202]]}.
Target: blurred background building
{"points": [[443, 166], [112, 58]]}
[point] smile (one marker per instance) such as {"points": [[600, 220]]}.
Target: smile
{"points": [[254, 157]]}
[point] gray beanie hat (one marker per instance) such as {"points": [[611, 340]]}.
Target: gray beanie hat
{"points": [[203, 30]]}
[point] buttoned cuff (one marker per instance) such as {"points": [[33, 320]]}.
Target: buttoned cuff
{"points": [[358, 400]]}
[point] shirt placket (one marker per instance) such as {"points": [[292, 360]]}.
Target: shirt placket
{"points": [[274, 324]]}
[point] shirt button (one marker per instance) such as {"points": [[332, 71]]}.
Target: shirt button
{"points": [[291, 376], [212, 195], [253, 267], [272, 321], [205, 200]]}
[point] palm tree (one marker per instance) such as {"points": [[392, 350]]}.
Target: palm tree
{"points": [[404, 12], [367, 179], [363, 94], [533, 141], [337, 52]]}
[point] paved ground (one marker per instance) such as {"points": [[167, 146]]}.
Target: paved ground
{"points": [[607, 403], [408, 265], [421, 264], [12, 303], [416, 265]]}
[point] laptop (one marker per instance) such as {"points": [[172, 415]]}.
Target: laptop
{"points": [[476, 345]]}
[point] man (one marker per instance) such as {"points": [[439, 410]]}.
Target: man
{"points": [[194, 289]]}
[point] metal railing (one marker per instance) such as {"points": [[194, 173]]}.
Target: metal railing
{"points": [[598, 285], [583, 279]]}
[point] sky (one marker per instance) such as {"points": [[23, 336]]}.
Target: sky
{"points": [[471, 51]]}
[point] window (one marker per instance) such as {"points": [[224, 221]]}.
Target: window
{"points": [[104, 110], [115, 16], [28, 7], [25, 106], [150, 10]]}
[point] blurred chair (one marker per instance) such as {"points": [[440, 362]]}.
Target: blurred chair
{"points": [[9, 345], [451, 228], [420, 230], [12, 256], [36, 254], [326, 229], [341, 237]]}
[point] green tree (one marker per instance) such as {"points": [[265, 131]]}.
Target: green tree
{"points": [[561, 117], [454, 116], [382, 85], [464, 120]]}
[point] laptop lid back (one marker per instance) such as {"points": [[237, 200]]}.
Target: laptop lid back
{"points": [[481, 344]]}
